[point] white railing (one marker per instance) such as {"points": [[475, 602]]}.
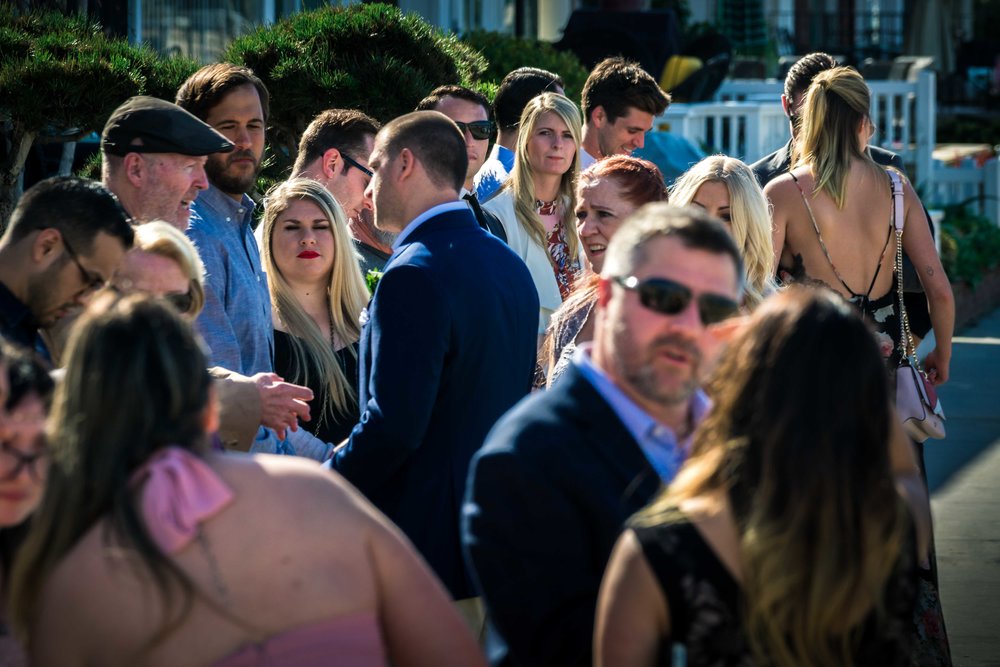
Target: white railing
{"points": [[747, 130], [746, 121], [980, 186]]}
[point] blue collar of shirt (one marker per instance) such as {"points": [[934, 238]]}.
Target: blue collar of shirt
{"points": [[220, 206], [657, 441], [427, 215]]}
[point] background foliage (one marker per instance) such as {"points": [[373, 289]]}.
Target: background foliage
{"points": [[60, 79], [970, 245], [504, 53], [370, 57]]}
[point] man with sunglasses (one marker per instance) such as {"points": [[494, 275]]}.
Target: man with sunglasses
{"points": [[471, 112], [64, 241], [334, 150], [560, 473]]}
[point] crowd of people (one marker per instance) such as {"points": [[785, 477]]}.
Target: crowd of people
{"points": [[475, 386]]}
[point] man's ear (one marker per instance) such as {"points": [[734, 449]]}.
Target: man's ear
{"points": [[598, 117], [407, 164], [785, 105], [45, 245], [135, 169], [328, 162]]}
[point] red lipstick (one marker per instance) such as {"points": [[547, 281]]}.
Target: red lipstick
{"points": [[308, 254]]}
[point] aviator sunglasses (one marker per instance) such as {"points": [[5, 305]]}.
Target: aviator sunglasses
{"points": [[479, 129], [670, 298]]}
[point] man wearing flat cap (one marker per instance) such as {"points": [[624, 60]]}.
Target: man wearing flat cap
{"points": [[154, 159]]}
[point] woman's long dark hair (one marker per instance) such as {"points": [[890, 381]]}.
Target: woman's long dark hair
{"points": [[136, 382], [798, 440]]}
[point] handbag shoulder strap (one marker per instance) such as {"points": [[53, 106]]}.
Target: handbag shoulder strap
{"points": [[898, 218], [907, 348]]}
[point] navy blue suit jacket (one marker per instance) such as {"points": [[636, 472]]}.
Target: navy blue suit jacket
{"points": [[448, 347], [548, 495]]}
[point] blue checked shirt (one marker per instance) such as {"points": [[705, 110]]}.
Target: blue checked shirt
{"points": [[236, 321]]}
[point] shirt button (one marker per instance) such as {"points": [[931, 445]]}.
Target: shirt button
{"points": [[240, 211], [229, 219]]}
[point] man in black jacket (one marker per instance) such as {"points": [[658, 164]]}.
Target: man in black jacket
{"points": [[562, 471]]}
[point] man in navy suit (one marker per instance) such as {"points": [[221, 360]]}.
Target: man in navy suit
{"points": [[561, 472], [447, 344]]}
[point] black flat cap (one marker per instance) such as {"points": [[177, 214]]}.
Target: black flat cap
{"points": [[160, 127]]}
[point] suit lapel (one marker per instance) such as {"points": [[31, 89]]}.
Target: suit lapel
{"points": [[607, 436]]}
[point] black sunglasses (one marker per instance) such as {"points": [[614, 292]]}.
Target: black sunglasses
{"points": [[479, 129], [12, 462], [670, 298], [354, 163], [181, 302], [93, 282]]}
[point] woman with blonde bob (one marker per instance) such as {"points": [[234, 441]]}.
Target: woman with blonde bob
{"points": [[536, 204], [728, 189], [788, 537], [163, 262], [151, 549], [317, 295]]}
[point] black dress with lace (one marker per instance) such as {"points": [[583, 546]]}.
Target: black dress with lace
{"points": [[705, 603]]}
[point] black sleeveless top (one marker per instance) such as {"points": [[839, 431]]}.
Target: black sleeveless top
{"points": [[334, 427], [705, 603]]}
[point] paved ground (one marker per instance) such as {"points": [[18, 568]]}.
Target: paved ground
{"points": [[964, 476]]}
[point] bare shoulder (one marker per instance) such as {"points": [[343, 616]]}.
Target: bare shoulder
{"points": [[781, 188], [76, 601], [291, 483]]}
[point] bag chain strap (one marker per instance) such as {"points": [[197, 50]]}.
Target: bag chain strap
{"points": [[906, 345]]}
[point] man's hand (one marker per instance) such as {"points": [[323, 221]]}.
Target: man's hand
{"points": [[282, 404]]}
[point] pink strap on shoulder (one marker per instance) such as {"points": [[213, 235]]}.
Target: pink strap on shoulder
{"points": [[179, 491], [898, 219]]}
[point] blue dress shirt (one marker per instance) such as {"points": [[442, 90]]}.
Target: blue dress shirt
{"points": [[657, 441], [236, 321]]}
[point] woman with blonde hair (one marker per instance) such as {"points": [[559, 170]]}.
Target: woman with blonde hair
{"points": [[317, 295], [728, 189], [790, 536], [151, 549], [834, 223], [165, 263], [536, 204]]}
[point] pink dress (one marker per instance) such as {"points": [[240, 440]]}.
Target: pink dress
{"points": [[180, 491]]}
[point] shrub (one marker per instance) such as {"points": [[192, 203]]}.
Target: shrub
{"points": [[60, 79], [970, 245], [370, 57], [505, 53]]}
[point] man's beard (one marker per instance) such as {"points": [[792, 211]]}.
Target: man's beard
{"points": [[384, 237], [635, 366], [216, 168]]}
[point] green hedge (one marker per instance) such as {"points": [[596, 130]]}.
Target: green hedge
{"points": [[504, 53], [61, 77], [370, 57], [970, 245]]}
